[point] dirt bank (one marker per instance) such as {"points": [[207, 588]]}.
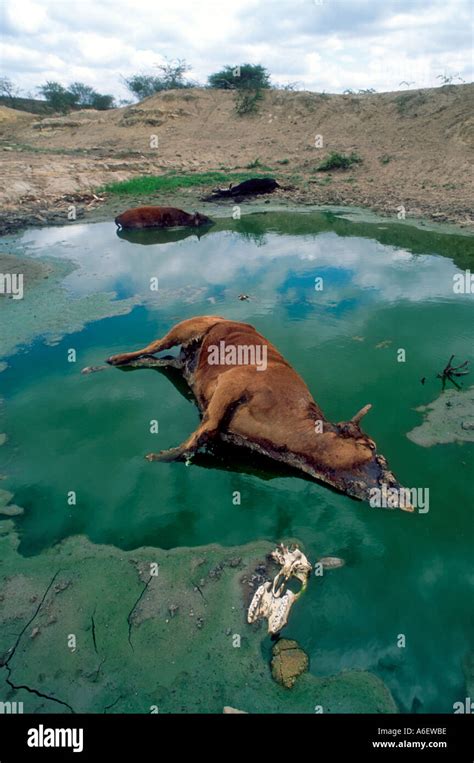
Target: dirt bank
{"points": [[416, 148]]}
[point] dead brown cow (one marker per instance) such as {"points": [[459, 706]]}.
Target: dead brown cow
{"points": [[249, 395], [159, 217]]}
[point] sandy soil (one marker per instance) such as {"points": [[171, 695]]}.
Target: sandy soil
{"points": [[417, 149]]}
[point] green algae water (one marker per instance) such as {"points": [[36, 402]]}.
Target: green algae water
{"points": [[386, 288]]}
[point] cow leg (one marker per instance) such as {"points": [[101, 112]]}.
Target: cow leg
{"points": [[183, 333], [226, 398]]}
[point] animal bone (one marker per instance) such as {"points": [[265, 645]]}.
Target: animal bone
{"points": [[270, 600], [280, 611], [274, 608], [93, 369], [294, 564]]}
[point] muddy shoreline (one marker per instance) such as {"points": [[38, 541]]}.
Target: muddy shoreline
{"points": [[100, 207], [415, 151]]}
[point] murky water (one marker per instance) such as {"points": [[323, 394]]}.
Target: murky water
{"points": [[386, 288]]}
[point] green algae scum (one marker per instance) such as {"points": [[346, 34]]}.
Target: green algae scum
{"points": [[125, 584]]}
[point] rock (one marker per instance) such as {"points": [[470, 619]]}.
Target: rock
{"points": [[467, 425], [61, 586], [233, 711], [173, 609], [12, 510], [331, 562], [216, 571], [34, 632], [3, 438], [289, 661], [5, 498]]}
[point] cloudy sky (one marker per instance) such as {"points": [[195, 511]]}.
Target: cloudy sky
{"points": [[326, 45]]}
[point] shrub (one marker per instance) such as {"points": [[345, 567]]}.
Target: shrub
{"points": [[242, 77], [76, 96], [337, 161], [407, 103], [58, 97], [171, 78], [247, 101], [88, 98]]}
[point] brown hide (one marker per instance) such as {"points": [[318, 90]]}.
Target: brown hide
{"points": [[158, 217], [266, 407]]}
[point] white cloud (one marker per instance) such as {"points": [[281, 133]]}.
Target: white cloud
{"points": [[389, 273], [26, 16], [329, 46]]}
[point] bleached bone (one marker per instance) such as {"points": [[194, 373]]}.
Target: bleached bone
{"points": [[271, 601], [260, 605], [294, 564], [280, 611]]}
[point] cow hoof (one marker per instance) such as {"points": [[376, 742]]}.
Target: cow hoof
{"points": [[163, 455]]}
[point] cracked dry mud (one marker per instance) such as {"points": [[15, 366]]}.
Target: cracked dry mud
{"points": [[130, 654]]}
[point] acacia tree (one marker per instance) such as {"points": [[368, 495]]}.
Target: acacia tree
{"points": [[243, 76], [77, 95], [172, 74], [142, 85], [171, 78], [8, 89], [58, 97], [88, 98]]}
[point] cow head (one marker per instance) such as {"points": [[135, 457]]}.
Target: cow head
{"points": [[347, 458], [199, 219]]}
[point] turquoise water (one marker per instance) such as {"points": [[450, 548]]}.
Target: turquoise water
{"points": [[385, 285]]}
